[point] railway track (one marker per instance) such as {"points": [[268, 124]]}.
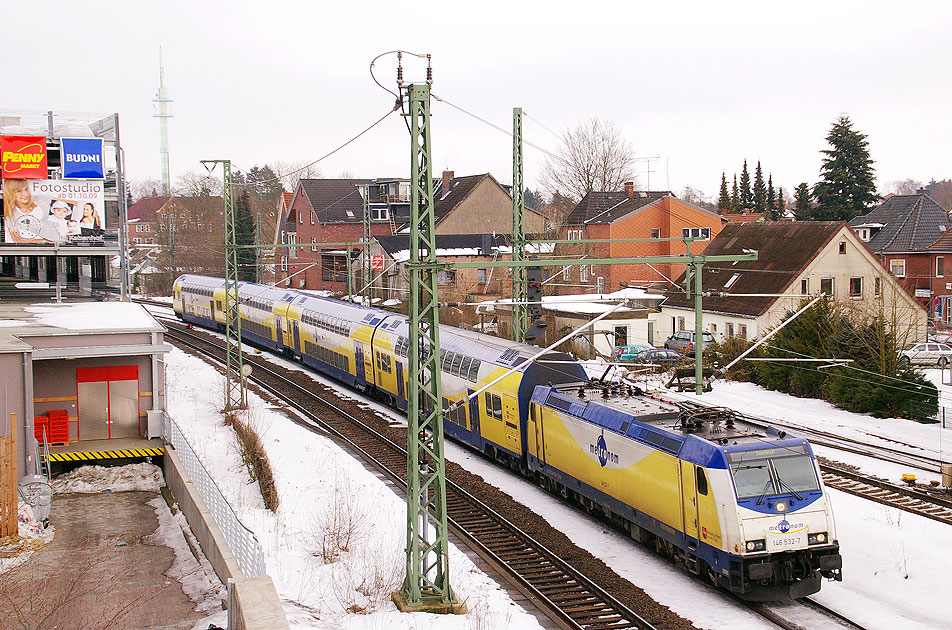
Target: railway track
{"points": [[561, 591]]}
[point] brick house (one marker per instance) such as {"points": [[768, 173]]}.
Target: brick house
{"points": [[794, 259], [631, 214], [901, 232], [331, 211]]}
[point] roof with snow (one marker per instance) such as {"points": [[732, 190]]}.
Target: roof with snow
{"points": [[397, 246], [783, 251], [911, 223]]}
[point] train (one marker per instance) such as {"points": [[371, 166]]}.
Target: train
{"points": [[737, 504]]}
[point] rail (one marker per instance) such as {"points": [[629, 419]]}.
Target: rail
{"points": [[241, 539]]}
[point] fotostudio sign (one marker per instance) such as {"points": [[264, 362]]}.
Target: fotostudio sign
{"points": [[82, 158]]}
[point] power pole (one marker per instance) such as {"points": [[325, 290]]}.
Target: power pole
{"points": [[519, 291], [426, 586], [365, 293], [235, 395]]}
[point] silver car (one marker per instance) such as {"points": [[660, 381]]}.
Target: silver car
{"points": [[683, 341], [927, 354]]}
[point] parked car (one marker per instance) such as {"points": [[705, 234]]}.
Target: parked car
{"points": [[661, 356], [630, 353], [927, 354], [683, 341]]}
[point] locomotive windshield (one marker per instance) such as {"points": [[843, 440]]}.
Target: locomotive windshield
{"points": [[771, 471]]}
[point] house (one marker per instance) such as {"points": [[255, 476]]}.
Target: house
{"points": [[631, 214], [901, 231], [628, 324], [940, 284], [331, 211], [795, 260]]}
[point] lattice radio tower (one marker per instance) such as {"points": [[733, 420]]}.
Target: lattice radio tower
{"points": [[162, 101]]}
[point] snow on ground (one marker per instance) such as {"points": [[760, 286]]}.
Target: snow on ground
{"points": [[326, 495], [93, 479]]}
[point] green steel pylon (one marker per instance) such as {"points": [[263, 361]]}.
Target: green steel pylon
{"points": [[427, 582], [365, 291], [235, 395], [520, 318]]}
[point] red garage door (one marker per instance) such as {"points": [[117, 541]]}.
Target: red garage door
{"points": [[108, 402]]}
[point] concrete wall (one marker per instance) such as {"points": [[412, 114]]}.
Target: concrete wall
{"points": [[255, 605], [12, 401]]}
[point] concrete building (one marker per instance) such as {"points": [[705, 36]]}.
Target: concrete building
{"points": [[99, 364]]}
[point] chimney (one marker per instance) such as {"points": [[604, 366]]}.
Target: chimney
{"points": [[447, 181], [630, 189]]}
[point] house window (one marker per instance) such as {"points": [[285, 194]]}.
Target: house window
{"points": [[655, 232], [877, 286], [701, 234], [313, 217], [313, 244], [826, 286], [897, 267], [446, 277], [842, 247], [742, 331], [137, 241], [583, 273], [939, 266], [732, 280], [856, 287], [565, 272], [575, 235], [730, 330], [482, 278], [805, 286], [621, 336], [300, 217], [864, 235], [712, 328], [381, 213], [680, 323]]}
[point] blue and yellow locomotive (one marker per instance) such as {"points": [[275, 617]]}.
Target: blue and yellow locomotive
{"points": [[744, 507]]}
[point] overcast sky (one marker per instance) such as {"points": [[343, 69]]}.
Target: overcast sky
{"points": [[700, 85]]}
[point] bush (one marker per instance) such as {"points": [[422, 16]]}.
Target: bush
{"points": [[254, 457]]}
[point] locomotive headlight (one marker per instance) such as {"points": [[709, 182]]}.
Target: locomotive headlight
{"points": [[750, 546], [781, 506], [816, 539], [756, 545], [821, 538]]}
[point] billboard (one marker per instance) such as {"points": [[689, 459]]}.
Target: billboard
{"points": [[53, 211], [81, 158], [23, 157]]}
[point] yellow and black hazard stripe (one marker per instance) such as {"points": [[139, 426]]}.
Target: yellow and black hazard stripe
{"points": [[96, 455]]}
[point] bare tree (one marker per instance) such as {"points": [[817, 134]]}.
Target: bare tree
{"points": [[290, 173], [146, 187], [904, 187], [593, 157], [193, 184], [696, 197]]}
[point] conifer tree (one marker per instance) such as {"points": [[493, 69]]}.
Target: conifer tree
{"points": [[781, 205], [804, 203], [245, 235], [760, 190], [771, 199], [746, 196], [735, 196], [847, 184], [724, 198]]}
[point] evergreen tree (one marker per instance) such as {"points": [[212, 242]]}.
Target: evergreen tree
{"points": [[803, 201], [265, 184], [724, 199], [771, 199], [746, 196], [735, 196], [847, 184], [760, 190], [245, 235], [781, 205]]}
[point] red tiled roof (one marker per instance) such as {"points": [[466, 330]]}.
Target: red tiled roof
{"points": [[145, 209]]}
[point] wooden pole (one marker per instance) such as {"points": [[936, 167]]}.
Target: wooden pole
{"points": [[8, 481]]}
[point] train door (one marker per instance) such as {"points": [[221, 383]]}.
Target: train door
{"points": [[359, 362], [689, 504], [278, 333], [401, 391], [708, 523], [535, 417], [510, 416], [473, 412], [297, 336]]}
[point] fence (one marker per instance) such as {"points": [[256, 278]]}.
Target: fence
{"points": [[243, 542]]}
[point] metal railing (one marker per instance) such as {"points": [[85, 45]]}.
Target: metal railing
{"points": [[242, 540]]}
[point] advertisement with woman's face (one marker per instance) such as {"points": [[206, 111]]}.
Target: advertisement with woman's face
{"points": [[53, 211]]}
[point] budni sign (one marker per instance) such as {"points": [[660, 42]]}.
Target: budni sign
{"points": [[82, 158]]}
